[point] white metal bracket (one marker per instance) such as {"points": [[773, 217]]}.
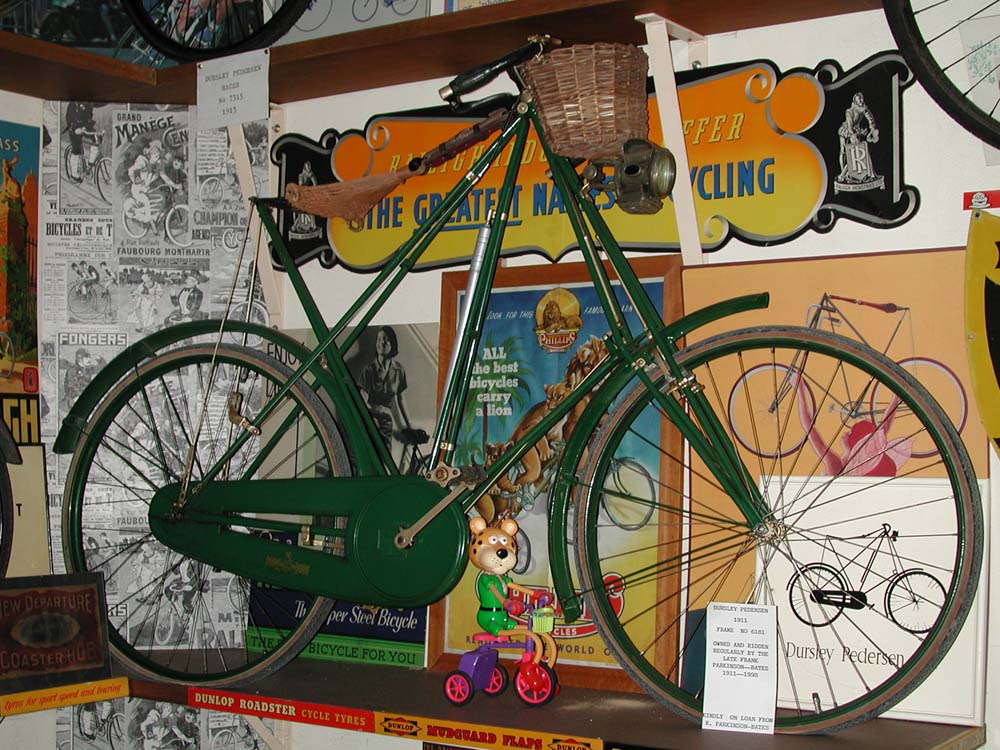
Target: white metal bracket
{"points": [[659, 31]]}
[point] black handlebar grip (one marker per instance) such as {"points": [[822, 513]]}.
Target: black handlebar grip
{"points": [[477, 77]]}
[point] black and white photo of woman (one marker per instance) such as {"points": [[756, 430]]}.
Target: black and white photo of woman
{"points": [[383, 381]]}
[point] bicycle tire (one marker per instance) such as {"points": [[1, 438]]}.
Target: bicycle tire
{"points": [[102, 178], [364, 16], [152, 20], [177, 225], [631, 515], [116, 731], [130, 449], [947, 391], [257, 314], [210, 192], [910, 598], [782, 406], [937, 32], [165, 629], [58, 27], [817, 575], [67, 152], [8, 359], [6, 518], [408, 5], [224, 740], [134, 228], [701, 548], [84, 732]]}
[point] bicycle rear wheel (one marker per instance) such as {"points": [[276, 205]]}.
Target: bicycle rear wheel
{"points": [[177, 225], [116, 731], [102, 176], [140, 438], [193, 30], [948, 44], [841, 483], [6, 518], [8, 358]]}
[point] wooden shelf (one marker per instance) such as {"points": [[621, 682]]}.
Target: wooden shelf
{"points": [[618, 719], [433, 47]]}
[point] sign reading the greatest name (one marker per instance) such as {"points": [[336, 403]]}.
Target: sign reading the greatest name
{"points": [[772, 155], [232, 90], [740, 668]]}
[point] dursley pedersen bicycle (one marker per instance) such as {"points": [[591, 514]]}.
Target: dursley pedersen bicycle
{"points": [[228, 441]]}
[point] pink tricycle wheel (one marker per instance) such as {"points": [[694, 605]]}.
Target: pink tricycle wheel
{"points": [[498, 681], [458, 688], [536, 684]]}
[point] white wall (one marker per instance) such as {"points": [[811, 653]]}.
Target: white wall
{"points": [[26, 110], [941, 160]]}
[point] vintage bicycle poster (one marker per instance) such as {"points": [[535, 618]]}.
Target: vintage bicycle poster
{"points": [[129, 248], [892, 302], [20, 404], [543, 330]]}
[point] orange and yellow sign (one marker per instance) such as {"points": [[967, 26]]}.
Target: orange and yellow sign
{"points": [[770, 156], [63, 695], [478, 735]]}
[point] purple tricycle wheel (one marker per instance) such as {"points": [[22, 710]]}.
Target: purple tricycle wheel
{"points": [[536, 684], [498, 681], [458, 688]]}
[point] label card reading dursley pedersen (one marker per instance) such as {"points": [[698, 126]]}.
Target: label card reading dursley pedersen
{"points": [[741, 668]]}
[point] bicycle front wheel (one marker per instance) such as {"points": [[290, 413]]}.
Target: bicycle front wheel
{"points": [[116, 731], [189, 31], [8, 359], [224, 740], [171, 415], [6, 518], [177, 225], [648, 588], [949, 46], [135, 227], [102, 176], [914, 600]]}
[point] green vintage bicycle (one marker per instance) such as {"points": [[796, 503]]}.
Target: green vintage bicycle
{"points": [[263, 464]]}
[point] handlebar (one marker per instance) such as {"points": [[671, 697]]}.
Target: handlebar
{"points": [[483, 74], [538, 599], [886, 307]]}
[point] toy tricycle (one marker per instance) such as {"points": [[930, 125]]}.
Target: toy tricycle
{"points": [[534, 679]]}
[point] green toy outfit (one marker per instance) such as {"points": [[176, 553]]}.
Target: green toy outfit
{"points": [[492, 617]]}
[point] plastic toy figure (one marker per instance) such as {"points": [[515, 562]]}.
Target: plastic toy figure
{"points": [[494, 551]]}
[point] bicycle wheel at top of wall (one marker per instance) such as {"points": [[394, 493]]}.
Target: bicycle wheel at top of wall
{"points": [[648, 588], [6, 518], [951, 47], [157, 22], [139, 439]]}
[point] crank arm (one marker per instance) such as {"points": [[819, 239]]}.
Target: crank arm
{"points": [[406, 536]]}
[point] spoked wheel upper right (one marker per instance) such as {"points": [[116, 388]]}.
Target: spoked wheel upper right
{"points": [[840, 660], [139, 439], [949, 46]]}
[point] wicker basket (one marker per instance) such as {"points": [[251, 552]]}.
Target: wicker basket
{"points": [[543, 620], [591, 98]]}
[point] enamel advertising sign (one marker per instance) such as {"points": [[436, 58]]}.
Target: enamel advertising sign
{"points": [[772, 155]]}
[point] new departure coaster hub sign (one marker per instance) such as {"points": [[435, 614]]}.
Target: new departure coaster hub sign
{"points": [[740, 668], [52, 631]]}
